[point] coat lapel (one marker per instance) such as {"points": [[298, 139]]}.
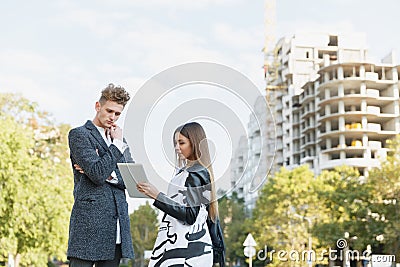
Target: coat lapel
{"points": [[93, 130]]}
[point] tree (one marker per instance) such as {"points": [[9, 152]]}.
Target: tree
{"points": [[346, 197], [384, 208], [35, 183], [365, 207], [277, 221], [144, 231], [233, 223]]}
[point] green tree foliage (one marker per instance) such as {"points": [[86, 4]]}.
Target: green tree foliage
{"points": [[144, 231], [346, 197], [384, 209], [337, 202], [278, 219], [233, 223], [35, 183], [366, 208]]}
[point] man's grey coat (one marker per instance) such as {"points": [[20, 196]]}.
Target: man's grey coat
{"points": [[98, 204]]}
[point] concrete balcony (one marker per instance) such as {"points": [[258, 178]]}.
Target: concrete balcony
{"points": [[372, 115], [307, 159], [308, 128], [308, 144], [354, 162], [355, 133]]}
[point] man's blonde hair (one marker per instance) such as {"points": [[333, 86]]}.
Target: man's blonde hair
{"points": [[114, 93]]}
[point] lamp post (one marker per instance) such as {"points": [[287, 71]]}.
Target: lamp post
{"points": [[309, 220], [346, 260], [346, 250]]}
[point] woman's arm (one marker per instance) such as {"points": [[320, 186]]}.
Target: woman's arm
{"points": [[195, 187]]}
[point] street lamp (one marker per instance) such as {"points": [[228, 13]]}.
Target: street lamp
{"points": [[249, 248], [309, 220], [346, 256]]}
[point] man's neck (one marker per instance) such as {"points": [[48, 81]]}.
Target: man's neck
{"points": [[97, 123]]}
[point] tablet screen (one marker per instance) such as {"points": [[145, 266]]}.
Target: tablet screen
{"points": [[133, 173]]}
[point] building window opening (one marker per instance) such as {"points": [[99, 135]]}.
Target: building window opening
{"points": [[333, 40]]}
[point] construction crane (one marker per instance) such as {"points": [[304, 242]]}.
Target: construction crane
{"points": [[269, 35], [271, 75], [271, 62]]}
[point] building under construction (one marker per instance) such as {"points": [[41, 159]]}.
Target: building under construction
{"points": [[332, 105]]}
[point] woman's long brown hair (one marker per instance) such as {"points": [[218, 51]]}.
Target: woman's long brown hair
{"points": [[198, 140]]}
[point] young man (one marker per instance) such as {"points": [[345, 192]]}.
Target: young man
{"points": [[99, 226]]}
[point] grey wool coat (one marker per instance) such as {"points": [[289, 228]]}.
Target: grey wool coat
{"points": [[97, 203]]}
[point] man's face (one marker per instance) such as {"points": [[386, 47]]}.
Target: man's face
{"points": [[107, 114]]}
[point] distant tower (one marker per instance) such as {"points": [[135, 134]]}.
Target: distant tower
{"points": [[269, 41], [274, 88]]}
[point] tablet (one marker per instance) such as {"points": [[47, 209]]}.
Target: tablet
{"points": [[133, 173]]}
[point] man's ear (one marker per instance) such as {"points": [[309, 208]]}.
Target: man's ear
{"points": [[97, 106]]}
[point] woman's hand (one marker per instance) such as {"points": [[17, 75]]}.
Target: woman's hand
{"points": [[148, 189]]}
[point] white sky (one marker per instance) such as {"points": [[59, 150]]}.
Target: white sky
{"points": [[61, 53]]}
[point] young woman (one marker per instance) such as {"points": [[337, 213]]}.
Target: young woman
{"points": [[183, 238]]}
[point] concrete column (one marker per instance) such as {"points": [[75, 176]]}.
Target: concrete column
{"points": [[327, 110], [340, 73], [328, 126], [342, 126], [365, 140], [327, 61], [362, 71], [342, 140], [326, 77], [341, 107], [395, 91], [364, 122], [367, 153], [328, 143], [327, 93], [396, 108], [363, 105], [341, 90], [363, 89], [395, 74]]}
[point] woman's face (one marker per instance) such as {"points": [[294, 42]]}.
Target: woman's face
{"points": [[183, 147]]}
